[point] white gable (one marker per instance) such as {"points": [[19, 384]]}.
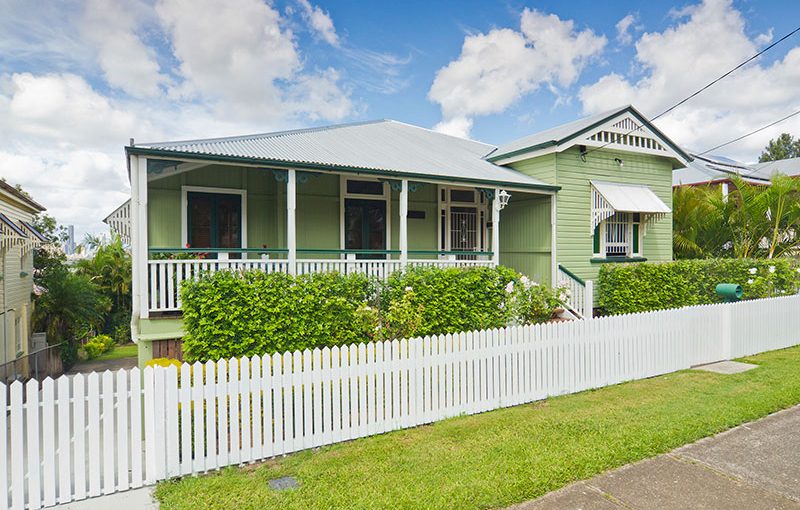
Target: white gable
{"points": [[628, 135]]}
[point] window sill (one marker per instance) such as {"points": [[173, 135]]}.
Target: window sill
{"points": [[613, 260]]}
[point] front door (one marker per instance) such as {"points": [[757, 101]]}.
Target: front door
{"points": [[214, 220], [464, 233], [365, 226]]}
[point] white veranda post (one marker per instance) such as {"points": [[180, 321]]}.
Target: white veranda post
{"points": [[141, 242], [291, 234], [496, 206], [404, 223]]}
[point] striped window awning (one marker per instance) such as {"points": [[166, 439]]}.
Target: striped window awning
{"points": [[609, 198]]}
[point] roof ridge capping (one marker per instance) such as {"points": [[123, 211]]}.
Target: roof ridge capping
{"points": [[269, 134]]}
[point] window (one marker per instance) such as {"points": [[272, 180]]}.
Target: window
{"points": [[462, 195], [214, 220], [364, 187], [618, 236]]}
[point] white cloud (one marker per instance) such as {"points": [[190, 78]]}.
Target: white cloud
{"points": [[624, 25], [455, 126], [320, 21], [127, 63], [99, 72], [496, 69], [62, 109], [705, 41]]}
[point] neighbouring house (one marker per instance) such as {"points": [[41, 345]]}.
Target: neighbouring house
{"points": [[720, 171], [18, 238], [375, 197]]}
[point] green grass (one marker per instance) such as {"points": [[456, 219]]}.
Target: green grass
{"points": [[506, 456], [120, 351]]}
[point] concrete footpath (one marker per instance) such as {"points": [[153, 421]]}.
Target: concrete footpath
{"points": [[754, 466]]}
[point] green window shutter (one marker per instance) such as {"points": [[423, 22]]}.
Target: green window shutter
{"points": [[596, 246], [636, 238]]}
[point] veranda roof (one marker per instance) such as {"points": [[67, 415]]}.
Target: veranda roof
{"points": [[383, 147]]}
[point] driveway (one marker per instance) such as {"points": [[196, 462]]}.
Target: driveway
{"points": [[99, 366], [754, 466]]}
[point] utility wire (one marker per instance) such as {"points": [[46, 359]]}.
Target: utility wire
{"points": [[728, 73], [762, 128], [739, 66]]}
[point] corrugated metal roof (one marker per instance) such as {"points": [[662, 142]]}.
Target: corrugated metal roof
{"points": [[631, 197], [766, 170], [705, 169], [384, 145], [555, 135], [566, 133]]}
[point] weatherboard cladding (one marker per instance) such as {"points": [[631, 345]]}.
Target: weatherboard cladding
{"points": [[385, 146]]}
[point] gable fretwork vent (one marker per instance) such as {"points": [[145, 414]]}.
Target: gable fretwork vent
{"points": [[627, 125], [631, 140]]}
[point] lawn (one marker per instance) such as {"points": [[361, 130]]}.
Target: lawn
{"points": [[506, 456], [119, 351]]}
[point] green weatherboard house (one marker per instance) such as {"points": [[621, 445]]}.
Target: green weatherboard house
{"points": [[375, 197]]}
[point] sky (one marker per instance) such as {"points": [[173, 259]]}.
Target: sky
{"points": [[79, 78]]}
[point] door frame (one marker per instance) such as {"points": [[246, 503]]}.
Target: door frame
{"points": [[185, 190], [343, 194], [481, 205]]}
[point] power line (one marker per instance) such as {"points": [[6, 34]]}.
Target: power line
{"points": [[614, 139], [751, 133], [728, 73]]}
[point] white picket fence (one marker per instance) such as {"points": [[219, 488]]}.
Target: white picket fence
{"points": [[83, 436]]}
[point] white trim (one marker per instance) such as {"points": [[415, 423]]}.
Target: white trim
{"points": [[291, 219], [206, 189], [496, 227], [554, 240], [386, 196], [601, 231], [142, 249], [609, 125], [403, 238], [483, 233]]}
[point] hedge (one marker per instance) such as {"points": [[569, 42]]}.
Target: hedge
{"points": [[231, 314], [639, 287]]}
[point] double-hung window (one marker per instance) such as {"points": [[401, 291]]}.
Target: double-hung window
{"points": [[618, 236]]}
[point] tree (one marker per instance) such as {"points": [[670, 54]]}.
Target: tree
{"points": [[70, 304], [110, 271], [783, 147], [752, 221]]}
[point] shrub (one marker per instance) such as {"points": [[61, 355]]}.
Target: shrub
{"points": [[465, 299], [98, 345], [163, 362], [232, 314], [629, 288]]}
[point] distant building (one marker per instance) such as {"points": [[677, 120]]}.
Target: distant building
{"points": [[721, 170], [69, 245]]}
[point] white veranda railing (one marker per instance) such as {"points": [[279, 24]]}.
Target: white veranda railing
{"points": [[166, 276], [580, 293]]}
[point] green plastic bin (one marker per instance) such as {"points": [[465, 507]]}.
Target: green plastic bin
{"points": [[729, 291]]}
